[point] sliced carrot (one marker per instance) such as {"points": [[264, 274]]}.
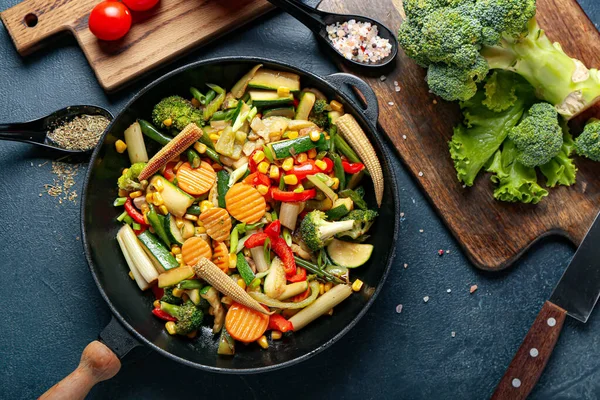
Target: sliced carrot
{"points": [[217, 223], [193, 249], [245, 203], [245, 324], [221, 256], [196, 181]]}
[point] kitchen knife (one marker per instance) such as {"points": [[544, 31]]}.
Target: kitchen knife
{"points": [[575, 295]]}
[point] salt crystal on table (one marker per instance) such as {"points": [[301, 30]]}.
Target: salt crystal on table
{"points": [[426, 299], [399, 308]]}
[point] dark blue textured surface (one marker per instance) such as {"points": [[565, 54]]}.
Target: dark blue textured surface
{"points": [[52, 308]]}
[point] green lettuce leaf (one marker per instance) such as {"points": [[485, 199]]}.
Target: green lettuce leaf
{"points": [[561, 170], [515, 182], [500, 91]]}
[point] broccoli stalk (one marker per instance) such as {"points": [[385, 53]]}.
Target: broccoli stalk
{"points": [[588, 143], [362, 222], [316, 231], [189, 317]]}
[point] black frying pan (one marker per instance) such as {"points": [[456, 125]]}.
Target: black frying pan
{"points": [[133, 324]]}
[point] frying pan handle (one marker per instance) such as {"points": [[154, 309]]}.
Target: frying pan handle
{"points": [[371, 109], [100, 361]]}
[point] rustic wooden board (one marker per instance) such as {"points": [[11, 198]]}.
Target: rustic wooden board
{"points": [[158, 35], [493, 234]]}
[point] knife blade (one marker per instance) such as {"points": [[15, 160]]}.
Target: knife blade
{"points": [[575, 295]]}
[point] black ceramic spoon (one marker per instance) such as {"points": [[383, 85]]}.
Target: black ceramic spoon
{"points": [[317, 21], [35, 132]]}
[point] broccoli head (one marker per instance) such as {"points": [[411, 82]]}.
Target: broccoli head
{"points": [[189, 317], [180, 111], [362, 222], [319, 114], [169, 298], [454, 83], [538, 137], [128, 181], [588, 143], [317, 232]]}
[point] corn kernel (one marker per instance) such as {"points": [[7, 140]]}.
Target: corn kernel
{"points": [[131, 276], [302, 157], [177, 292], [290, 179], [315, 135], [179, 258], [357, 285], [179, 222], [274, 172], [200, 230], [176, 167], [205, 205], [144, 208], [283, 91], [123, 193], [292, 134], [336, 183], [156, 304], [190, 217], [263, 167], [163, 210], [276, 335], [195, 102], [168, 122], [258, 156], [232, 261], [328, 286], [321, 288], [312, 153], [288, 164], [262, 189], [125, 171], [175, 249], [150, 198], [214, 137], [146, 218], [170, 327], [262, 342], [299, 189], [241, 283], [322, 165], [159, 185], [336, 106], [227, 300], [158, 199], [120, 146], [135, 194], [200, 147]]}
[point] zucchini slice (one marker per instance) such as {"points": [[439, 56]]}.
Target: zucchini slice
{"points": [[262, 98], [172, 230], [305, 106], [176, 200], [239, 88], [158, 250], [287, 112], [273, 80], [174, 276], [348, 254]]}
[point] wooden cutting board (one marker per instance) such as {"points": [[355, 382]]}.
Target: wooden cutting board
{"points": [[493, 234], [158, 35]]}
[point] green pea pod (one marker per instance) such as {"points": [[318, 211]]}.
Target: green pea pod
{"points": [[198, 95], [223, 115], [338, 169], [193, 158], [210, 96], [149, 130], [345, 149], [157, 223]]}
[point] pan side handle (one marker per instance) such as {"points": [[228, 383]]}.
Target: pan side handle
{"points": [[100, 361]]}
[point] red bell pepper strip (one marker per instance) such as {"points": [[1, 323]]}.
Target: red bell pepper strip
{"points": [[133, 212], [300, 275], [251, 163], [140, 231], [296, 102], [158, 292], [273, 229], [352, 168], [303, 170], [279, 323], [257, 178], [169, 174], [163, 315], [279, 246], [329, 163], [282, 195]]}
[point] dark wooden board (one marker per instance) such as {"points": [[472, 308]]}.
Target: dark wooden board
{"points": [[492, 233]]}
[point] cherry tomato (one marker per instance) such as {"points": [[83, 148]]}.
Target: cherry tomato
{"points": [[110, 20], [140, 5]]}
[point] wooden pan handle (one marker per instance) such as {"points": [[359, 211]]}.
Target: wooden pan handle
{"points": [[98, 363], [30, 22], [526, 367]]}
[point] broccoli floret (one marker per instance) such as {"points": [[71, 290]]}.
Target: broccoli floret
{"points": [[169, 298], [447, 36], [538, 137], [180, 111], [588, 143], [316, 231], [128, 181], [319, 114], [362, 222], [189, 317]]}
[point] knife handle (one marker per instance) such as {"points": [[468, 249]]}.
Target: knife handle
{"points": [[526, 367]]}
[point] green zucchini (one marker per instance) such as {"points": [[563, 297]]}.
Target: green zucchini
{"points": [[240, 86], [287, 112], [149, 130], [187, 230], [194, 295], [176, 200], [244, 269], [172, 231], [190, 284], [341, 207], [305, 106], [333, 116], [158, 250], [222, 186], [193, 210], [273, 80], [173, 276], [157, 223], [349, 254], [226, 344], [269, 99], [291, 147]]}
